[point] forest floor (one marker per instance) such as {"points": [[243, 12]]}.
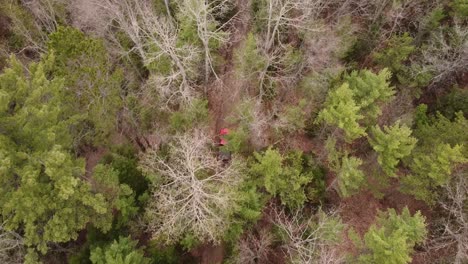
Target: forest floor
{"points": [[223, 95], [358, 212], [226, 92]]}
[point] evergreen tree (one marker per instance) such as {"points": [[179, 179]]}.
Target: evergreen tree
{"points": [[350, 177], [119, 196], [397, 51], [249, 61], [441, 130], [392, 144], [431, 170], [283, 175], [93, 83], [41, 190], [369, 90], [392, 238], [342, 111], [121, 251]]}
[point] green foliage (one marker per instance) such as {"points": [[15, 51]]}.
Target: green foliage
{"points": [[24, 31], [431, 170], [415, 76], [342, 111], [246, 212], [441, 130], [248, 59], [119, 196], [420, 116], [121, 251], [41, 190], [453, 102], [369, 90], [392, 238], [350, 177], [237, 140], [283, 175], [194, 114], [433, 19], [93, 84], [163, 255], [397, 51], [461, 8], [293, 118], [362, 45], [392, 144], [124, 160], [315, 190]]}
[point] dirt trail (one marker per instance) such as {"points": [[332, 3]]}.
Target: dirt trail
{"points": [[225, 93]]}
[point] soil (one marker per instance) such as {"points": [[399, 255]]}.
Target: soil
{"points": [[209, 253], [4, 26], [223, 95], [225, 92]]}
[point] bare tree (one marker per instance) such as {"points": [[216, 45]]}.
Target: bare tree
{"points": [[250, 116], [278, 19], [44, 14], [156, 38], [11, 247], [196, 194], [254, 248], [283, 15], [454, 229], [310, 240], [446, 54], [203, 13]]}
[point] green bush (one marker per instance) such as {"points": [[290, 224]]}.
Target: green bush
{"points": [[196, 114]]}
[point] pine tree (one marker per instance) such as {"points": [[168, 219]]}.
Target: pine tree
{"points": [[440, 130], [431, 170], [369, 90], [283, 175], [342, 111], [397, 51], [41, 191], [392, 144], [93, 85], [249, 61], [121, 251], [350, 177], [392, 238]]}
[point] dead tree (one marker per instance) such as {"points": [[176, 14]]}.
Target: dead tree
{"points": [[11, 247], [202, 13], [254, 248], [155, 38], [446, 55], [279, 18], [454, 229], [309, 240], [196, 193], [35, 32]]}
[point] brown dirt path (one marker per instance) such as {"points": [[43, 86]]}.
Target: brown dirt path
{"points": [[223, 95], [226, 92]]}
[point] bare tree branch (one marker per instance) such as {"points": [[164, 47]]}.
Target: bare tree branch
{"points": [[197, 192]]}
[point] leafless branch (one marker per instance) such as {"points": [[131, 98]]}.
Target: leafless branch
{"points": [[196, 194]]}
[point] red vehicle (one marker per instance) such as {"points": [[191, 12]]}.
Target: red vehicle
{"points": [[223, 154]]}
